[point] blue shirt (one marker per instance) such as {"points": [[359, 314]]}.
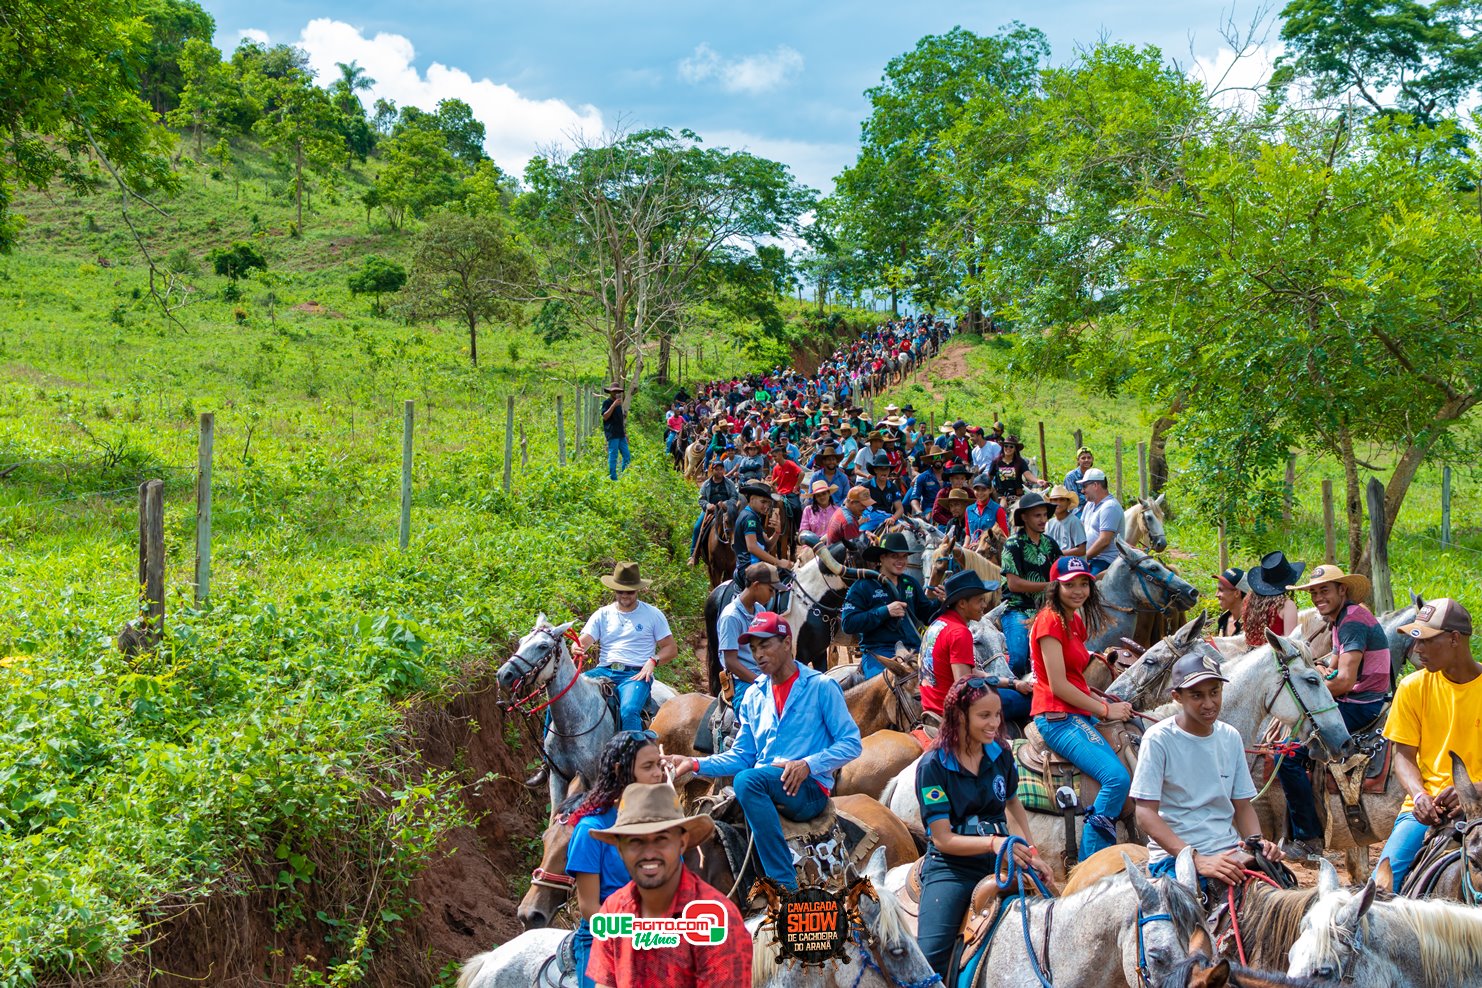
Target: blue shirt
{"points": [[748, 522], [866, 614], [838, 478], [814, 725], [924, 489], [586, 855], [1073, 484], [734, 620]]}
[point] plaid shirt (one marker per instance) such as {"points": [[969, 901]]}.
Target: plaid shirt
{"points": [[616, 964]]}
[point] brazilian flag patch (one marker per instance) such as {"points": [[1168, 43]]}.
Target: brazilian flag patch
{"points": [[933, 795]]}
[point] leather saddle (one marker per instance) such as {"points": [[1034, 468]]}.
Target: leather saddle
{"points": [[822, 848], [981, 920], [718, 725], [1369, 767], [1040, 758]]}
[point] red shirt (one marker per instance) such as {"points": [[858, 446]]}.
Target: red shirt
{"points": [[842, 526], [953, 647], [780, 691], [962, 448], [785, 477], [1047, 624], [615, 962]]}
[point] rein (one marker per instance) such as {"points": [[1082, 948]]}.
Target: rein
{"points": [[1250, 876], [1013, 876], [868, 963]]}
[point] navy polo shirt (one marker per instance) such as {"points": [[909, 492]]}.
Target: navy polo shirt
{"points": [[945, 789]]}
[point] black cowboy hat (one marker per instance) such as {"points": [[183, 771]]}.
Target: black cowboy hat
{"points": [[1274, 574], [959, 469], [1033, 499], [1012, 439], [894, 542], [755, 489], [965, 584]]}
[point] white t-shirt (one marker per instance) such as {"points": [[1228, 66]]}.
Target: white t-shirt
{"points": [[1195, 781], [628, 638], [1067, 532], [984, 455]]}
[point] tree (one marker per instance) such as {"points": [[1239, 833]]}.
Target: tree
{"points": [[359, 134], [172, 25], [353, 77], [383, 118], [623, 229], [205, 86], [469, 268], [463, 133], [298, 118], [419, 174], [237, 261], [377, 276], [1396, 56]]}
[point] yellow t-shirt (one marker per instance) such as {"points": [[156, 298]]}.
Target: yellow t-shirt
{"points": [[1438, 717]]}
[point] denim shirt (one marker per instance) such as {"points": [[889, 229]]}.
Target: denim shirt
{"points": [[866, 615], [815, 726]]}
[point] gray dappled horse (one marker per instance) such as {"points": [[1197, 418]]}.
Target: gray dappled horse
{"points": [[1138, 583]]}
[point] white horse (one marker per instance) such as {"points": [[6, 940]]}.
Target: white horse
{"points": [[1143, 524], [527, 961]]}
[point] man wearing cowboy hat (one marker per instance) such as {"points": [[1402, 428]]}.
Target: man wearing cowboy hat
{"points": [[717, 493], [827, 462], [1102, 517], [928, 483], [874, 446], [883, 490], [652, 834], [635, 639], [749, 540], [1027, 557], [751, 465], [1065, 526], [1358, 672], [795, 733], [1436, 712], [615, 429], [889, 609], [1084, 460]]}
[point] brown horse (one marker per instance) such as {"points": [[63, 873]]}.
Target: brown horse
{"points": [[889, 701], [715, 546], [676, 724], [885, 755], [1449, 864]]}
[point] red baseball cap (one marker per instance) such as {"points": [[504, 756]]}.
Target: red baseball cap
{"points": [[767, 624], [1069, 567]]}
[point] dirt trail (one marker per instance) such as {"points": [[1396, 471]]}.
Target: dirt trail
{"points": [[949, 365]]}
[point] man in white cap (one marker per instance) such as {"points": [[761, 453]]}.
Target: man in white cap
{"points": [[1436, 712], [1102, 517]]}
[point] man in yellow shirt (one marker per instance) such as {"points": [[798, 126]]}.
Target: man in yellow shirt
{"points": [[1437, 710]]}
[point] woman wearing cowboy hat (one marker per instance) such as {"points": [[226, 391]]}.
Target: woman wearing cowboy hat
{"points": [[1359, 675], [821, 508], [1011, 471], [635, 640], [1270, 604], [826, 463], [889, 609]]}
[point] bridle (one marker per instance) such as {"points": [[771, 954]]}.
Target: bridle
{"points": [[1163, 580], [1305, 713], [543, 674]]}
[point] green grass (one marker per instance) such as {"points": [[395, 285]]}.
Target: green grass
{"points": [[1418, 561]]}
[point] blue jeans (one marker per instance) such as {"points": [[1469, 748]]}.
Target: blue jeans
{"points": [[763, 802], [632, 693], [583, 945], [1405, 842], [1016, 705], [870, 666], [1098, 566], [1301, 803], [1166, 867], [1076, 739], [1016, 632], [614, 447]]}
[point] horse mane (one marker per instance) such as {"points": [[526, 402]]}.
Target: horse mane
{"points": [[1271, 921], [1184, 907], [1449, 936]]}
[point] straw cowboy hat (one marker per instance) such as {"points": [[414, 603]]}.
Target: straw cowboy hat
{"points": [[645, 810], [1357, 583], [960, 496], [625, 577], [1061, 493], [822, 487]]}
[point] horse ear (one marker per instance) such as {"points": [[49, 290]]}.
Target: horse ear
{"points": [[875, 868], [1200, 943], [1327, 877], [1348, 917], [1127, 552], [1189, 633], [1184, 870], [1146, 893], [1418, 601], [565, 627], [1278, 646], [1471, 800], [1158, 501], [540, 621], [1384, 876]]}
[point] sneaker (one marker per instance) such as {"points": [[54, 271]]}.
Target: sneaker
{"points": [[1301, 850]]}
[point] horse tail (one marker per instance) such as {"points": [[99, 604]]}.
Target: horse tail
{"points": [[712, 647], [469, 976]]}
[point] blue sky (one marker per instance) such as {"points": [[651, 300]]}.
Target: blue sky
{"points": [[785, 80]]}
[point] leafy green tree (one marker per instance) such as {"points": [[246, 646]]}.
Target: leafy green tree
{"points": [[354, 125], [237, 261], [470, 268], [383, 117], [68, 93], [172, 24], [463, 132], [377, 276], [298, 120], [420, 173], [1396, 56], [206, 83], [487, 189]]}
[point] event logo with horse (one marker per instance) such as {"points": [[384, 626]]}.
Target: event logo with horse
{"points": [[703, 924]]}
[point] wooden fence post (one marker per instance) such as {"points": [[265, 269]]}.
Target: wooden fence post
{"points": [[1078, 442], [406, 474], [1289, 494], [1119, 469], [203, 507], [1044, 459], [1142, 469], [933, 423], [583, 430], [1224, 550], [524, 448], [1329, 527], [1384, 598], [152, 559], [1446, 505], [560, 431], [509, 439]]}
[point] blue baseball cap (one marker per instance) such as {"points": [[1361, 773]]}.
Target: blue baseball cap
{"points": [[1068, 568]]}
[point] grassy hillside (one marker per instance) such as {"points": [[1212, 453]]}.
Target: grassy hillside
{"points": [[976, 386], [265, 751]]}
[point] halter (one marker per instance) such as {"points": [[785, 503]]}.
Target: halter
{"points": [[1163, 580], [1144, 979], [1305, 713], [867, 962], [553, 880]]}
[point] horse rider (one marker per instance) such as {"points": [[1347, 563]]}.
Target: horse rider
{"points": [[845, 526], [795, 732], [1230, 589], [873, 447], [948, 652], [928, 483], [827, 462], [956, 475], [884, 491], [1065, 526], [1084, 460], [1011, 471], [595, 866], [1064, 710], [735, 655], [635, 640], [887, 610], [1027, 557], [1269, 605], [966, 787], [959, 502], [820, 510], [1102, 516], [718, 493], [750, 465], [1358, 673], [787, 476], [1435, 712], [652, 833], [984, 512], [1193, 786], [750, 538], [615, 429], [962, 446], [985, 450]]}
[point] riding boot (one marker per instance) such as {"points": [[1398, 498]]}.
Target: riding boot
{"points": [[539, 778]]}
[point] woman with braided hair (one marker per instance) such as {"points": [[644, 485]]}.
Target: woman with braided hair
{"points": [[598, 869]]}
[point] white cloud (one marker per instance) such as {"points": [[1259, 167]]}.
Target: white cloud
{"points": [[813, 163], [757, 73], [517, 127], [1237, 82], [253, 34]]}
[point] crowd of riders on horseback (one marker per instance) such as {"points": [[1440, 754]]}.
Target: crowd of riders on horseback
{"points": [[910, 628]]}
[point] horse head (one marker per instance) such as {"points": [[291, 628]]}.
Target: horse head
{"points": [[535, 662], [1146, 676], [1331, 945], [1168, 915], [550, 885], [1152, 519], [1148, 580], [1312, 706], [882, 927]]}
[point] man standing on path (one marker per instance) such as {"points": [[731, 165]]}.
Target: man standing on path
{"points": [[615, 429], [1102, 517], [652, 833], [635, 640], [1027, 557]]}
